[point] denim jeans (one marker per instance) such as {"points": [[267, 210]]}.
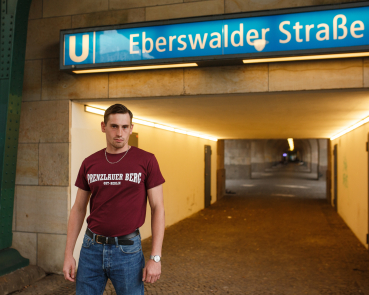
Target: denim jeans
{"points": [[122, 264]]}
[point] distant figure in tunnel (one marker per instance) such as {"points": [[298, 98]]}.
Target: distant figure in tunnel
{"points": [[117, 180]]}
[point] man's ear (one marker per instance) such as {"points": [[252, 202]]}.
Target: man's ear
{"points": [[131, 128], [103, 127]]}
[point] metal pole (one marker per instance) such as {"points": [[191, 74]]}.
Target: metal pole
{"points": [[13, 36]]}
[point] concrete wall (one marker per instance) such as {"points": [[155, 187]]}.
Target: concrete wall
{"points": [[243, 156], [269, 156], [314, 156], [352, 180], [180, 157], [237, 158], [307, 156], [257, 155], [221, 171], [42, 197], [323, 157]]}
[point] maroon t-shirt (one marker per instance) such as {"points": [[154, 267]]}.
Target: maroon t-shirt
{"points": [[118, 191]]}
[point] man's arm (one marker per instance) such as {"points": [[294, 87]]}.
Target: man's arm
{"points": [[152, 270], [76, 218]]}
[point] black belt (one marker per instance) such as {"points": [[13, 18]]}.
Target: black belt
{"points": [[122, 240]]}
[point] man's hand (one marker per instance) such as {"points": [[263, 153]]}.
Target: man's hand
{"points": [[151, 272], [76, 218], [69, 268]]}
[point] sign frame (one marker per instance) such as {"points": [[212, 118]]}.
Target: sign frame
{"points": [[213, 60]]}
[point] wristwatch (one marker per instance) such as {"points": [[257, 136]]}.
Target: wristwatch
{"points": [[156, 258]]}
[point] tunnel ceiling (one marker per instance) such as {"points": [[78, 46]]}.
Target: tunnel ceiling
{"points": [[308, 114]]}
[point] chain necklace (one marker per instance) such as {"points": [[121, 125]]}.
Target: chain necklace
{"points": [[118, 160]]}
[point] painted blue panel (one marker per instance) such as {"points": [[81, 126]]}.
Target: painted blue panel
{"points": [[75, 52], [114, 46], [276, 33]]}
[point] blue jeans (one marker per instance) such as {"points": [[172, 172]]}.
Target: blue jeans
{"points": [[122, 264]]}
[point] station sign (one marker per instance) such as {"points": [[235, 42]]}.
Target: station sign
{"points": [[238, 36]]}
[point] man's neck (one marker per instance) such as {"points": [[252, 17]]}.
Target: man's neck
{"points": [[112, 150]]}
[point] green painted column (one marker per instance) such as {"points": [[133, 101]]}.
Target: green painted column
{"points": [[13, 36]]}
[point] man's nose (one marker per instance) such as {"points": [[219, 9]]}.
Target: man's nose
{"points": [[120, 131]]}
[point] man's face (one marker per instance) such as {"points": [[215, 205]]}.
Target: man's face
{"points": [[117, 130]]}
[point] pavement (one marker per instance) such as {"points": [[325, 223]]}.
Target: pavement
{"points": [[275, 235], [21, 277]]}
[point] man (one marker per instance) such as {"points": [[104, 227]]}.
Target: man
{"points": [[117, 178]]}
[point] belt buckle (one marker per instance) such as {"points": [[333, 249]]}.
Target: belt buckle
{"points": [[97, 239]]}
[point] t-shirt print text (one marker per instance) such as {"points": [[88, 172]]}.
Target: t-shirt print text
{"points": [[117, 178]]}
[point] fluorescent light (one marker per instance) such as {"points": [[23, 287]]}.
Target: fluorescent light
{"points": [[151, 124], [290, 143], [306, 57], [135, 68], [142, 122], [94, 110], [180, 131], [164, 127], [358, 124], [193, 134]]}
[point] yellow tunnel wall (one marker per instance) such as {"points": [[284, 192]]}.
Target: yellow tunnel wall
{"points": [[352, 180], [180, 157]]}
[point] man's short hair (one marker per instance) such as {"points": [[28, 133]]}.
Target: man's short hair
{"points": [[116, 109]]}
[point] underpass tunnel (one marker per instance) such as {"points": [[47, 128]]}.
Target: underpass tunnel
{"points": [[266, 155], [300, 146], [245, 160], [248, 157]]}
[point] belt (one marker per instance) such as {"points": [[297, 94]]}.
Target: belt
{"points": [[122, 240]]}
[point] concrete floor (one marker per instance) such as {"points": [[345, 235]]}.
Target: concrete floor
{"points": [[275, 235]]}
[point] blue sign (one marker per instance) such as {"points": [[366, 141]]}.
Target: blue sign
{"points": [[285, 33]]}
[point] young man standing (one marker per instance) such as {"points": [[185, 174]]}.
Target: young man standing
{"points": [[118, 179]]}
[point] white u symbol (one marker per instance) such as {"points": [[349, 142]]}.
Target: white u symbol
{"points": [[72, 48]]}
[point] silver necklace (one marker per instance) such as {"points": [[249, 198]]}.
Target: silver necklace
{"points": [[118, 160]]}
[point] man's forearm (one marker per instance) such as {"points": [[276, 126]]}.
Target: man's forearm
{"points": [[75, 222], [157, 228]]}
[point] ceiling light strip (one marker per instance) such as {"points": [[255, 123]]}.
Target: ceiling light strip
{"points": [[143, 122], [94, 110], [306, 57], [168, 66], [358, 124], [98, 111]]}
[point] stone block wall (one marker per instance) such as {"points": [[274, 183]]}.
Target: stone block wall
{"points": [[42, 179], [42, 198], [232, 6]]}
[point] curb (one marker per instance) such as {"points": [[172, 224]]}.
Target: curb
{"points": [[20, 278]]}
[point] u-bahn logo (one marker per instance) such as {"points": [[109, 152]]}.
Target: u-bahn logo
{"points": [[79, 48]]}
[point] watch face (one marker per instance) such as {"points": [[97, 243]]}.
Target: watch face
{"points": [[156, 258]]}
